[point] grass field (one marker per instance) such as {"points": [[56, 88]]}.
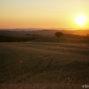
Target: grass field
{"points": [[44, 65]]}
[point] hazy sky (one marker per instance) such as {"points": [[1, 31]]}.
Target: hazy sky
{"points": [[42, 13]]}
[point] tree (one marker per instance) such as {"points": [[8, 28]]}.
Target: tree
{"points": [[58, 34]]}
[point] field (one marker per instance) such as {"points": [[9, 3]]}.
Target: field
{"points": [[44, 65]]}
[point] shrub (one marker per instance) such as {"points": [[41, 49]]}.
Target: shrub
{"points": [[58, 34]]}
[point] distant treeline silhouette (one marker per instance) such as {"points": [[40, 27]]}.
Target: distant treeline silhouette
{"points": [[16, 39], [28, 38], [58, 37]]}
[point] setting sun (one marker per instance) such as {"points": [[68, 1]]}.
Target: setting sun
{"points": [[81, 20], [44, 14]]}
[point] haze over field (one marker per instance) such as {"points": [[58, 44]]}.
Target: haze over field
{"points": [[50, 32]]}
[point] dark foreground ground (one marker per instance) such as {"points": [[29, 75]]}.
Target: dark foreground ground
{"points": [[44, 65]]}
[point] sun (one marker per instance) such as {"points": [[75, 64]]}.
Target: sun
{"points": [[81, 20]]}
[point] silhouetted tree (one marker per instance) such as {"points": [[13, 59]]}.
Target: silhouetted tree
{"points": [[58, 34]]}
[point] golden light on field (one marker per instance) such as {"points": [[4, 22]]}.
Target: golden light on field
{"points": [[81, 20]]}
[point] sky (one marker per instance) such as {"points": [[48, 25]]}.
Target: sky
{"points": [[42, 13]]}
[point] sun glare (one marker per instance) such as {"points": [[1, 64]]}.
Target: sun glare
{"points": [[81, 20]]}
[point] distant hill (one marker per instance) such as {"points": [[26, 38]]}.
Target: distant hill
{"points": [[42, 36], [43, 32]]}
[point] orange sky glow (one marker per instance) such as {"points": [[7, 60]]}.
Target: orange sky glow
{"points": [[42, 13]]}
